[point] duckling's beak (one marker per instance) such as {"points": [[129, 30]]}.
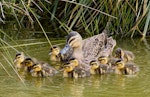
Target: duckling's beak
{"points": [[31, 71], [50, 53], [15, 60], [66, 51]]}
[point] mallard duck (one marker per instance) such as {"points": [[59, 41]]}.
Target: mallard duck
{"points": [[42, 70], [19, 58], [126, 68], [86, 50], [54, 54], [97, 68], [124, 55]]}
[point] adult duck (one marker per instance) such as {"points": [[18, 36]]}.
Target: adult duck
{"points": [[88, 49]]}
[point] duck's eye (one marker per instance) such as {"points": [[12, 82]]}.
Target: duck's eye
{"points": [[71, 40]]}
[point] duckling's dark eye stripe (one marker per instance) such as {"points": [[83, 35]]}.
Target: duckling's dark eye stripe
{"points": [[71, 40]]}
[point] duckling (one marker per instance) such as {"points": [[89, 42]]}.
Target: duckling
{"points": [[103, 60], [74, 62], [94, 66], [68, 70], [54, 54], [124, 55], [42, 70], [79, 72], [97, 68], [108, 61], [19, 58], [28, 63], [126, 68]]}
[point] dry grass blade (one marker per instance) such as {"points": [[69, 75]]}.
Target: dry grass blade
{"points": [[10, 46], [13, 69], [2, 12], [40, 26], [5, 70], [147, 22], [90, 8], [13, 47]]}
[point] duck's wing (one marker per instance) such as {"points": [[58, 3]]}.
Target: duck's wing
{"points": [[96, 46]]}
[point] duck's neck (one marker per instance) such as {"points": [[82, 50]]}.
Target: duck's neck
{"points": [[77, 53]]}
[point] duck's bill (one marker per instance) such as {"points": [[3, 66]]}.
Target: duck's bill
{"points": [[66, 52], [65, 49]]}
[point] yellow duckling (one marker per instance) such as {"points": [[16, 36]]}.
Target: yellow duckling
{"points": [[103, 60], [124, 55], [126, 68], [54, 54], [97, 68], [42, 70], [68, 70], [94, 67], [74, 62], [19, 58], [28, 63]]}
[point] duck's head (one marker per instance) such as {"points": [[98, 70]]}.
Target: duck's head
{"points": [[94, 65], [19, 57], [68, 67], [55, 50], [28, 62], [120, 64], [74, 62], [36, 68], [73, 41], [119, 53], [103, 59]]}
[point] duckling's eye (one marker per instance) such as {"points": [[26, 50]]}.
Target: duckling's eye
{"points": [[101, 59], [18, 57], [34, 67]]}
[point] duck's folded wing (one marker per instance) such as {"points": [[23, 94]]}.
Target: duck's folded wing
{"points": [[97, 45]]}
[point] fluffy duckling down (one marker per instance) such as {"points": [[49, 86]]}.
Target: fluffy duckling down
{"points": [[97, 68], [54, 54], [19, 58], [42, 70], [72, 69], [126, 68], [125, 55]]}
